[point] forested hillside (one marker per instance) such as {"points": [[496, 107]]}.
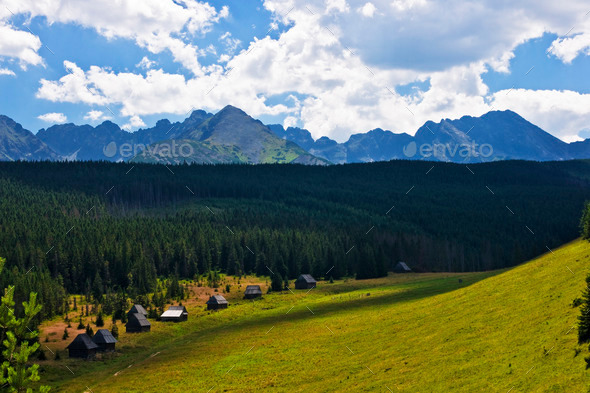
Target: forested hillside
{"points": [[91, 227]]}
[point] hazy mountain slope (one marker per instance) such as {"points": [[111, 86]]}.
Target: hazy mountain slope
{"points": [[17, 143]]}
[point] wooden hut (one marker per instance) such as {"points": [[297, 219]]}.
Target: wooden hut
{"points": [[252, 291], [401, 267], [305, 281], [105, 340], [174, 314], [137, 323], [82, 347], [216, 302], [138, 308]]}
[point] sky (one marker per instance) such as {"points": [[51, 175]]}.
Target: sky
{"points": [[334, 67]]}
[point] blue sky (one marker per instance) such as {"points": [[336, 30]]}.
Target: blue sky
{"points": [[336, 67]]}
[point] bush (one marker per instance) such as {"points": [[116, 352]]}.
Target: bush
{"points": [[66, 334], [41, 355], [57, 355], [81, 324], [227, 288], [115, 330]]}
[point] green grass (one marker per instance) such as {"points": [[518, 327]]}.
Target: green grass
{"points": [[491, 331]]}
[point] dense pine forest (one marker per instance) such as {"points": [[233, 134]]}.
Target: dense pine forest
{"points": [[102, 228]]}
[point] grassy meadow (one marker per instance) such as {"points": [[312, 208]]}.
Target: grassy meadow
{"points": [[507, 330]]}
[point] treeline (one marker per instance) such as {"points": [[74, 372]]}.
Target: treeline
{"points": [[108, 227]]}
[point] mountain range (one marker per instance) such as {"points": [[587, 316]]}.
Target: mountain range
{"points": [[232, 136]]}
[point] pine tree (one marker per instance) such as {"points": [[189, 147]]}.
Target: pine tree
{"points": [[66, 334], [80, 324], [584, 317], [16, 337], [89, 330], [277, 282], [115, 330], [99, 320]]}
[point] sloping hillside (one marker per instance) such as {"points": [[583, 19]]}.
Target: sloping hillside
{"points": [[498, 331]]}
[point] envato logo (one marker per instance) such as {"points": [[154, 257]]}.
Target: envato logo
{"points": [[440, 150], [164, 149]]}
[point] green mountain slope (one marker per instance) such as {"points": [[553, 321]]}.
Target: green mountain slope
{"points": [[499, 331], [231, 136]]}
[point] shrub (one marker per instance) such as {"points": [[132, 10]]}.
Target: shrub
{"points": [[66, 334], [81, 324]]}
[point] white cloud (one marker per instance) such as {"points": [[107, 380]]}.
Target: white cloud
{"points": [[367, 10], [330, 58], [95, 116], [145, 63], [134, 122], [567, 49], [156, 25], [20, 45], [6, 71], [562, 113], [53, 117]]}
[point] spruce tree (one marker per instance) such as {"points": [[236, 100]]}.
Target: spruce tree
{"points": [[99, 320]]}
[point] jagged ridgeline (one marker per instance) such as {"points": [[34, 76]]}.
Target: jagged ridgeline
{"points": [[98, 226]]}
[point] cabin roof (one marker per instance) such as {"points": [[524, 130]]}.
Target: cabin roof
{"points": [[307, 278], [82, 341], [172, 314], [139, 319], [217, 299], [253, 289], [403, 266], [181, 308], [104, 336], [138, 308]]}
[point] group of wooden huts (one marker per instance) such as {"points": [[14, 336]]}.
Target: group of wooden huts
{"points": [[84, 346]]}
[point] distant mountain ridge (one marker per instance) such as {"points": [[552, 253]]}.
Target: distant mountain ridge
{"points": [[496, 135], [231, 136]]}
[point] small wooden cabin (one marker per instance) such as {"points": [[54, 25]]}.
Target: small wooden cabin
{"points": [[401, 267], [252, 292], [82, 347], [138, 308], [216, 302], [105, 340], [305, 281], [137, 323], [174, 314]]}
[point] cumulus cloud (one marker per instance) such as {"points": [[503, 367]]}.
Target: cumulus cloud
{"points": [[567, 49], [145, 63], [156, 25], [134, 122], [53, 117], [6, 71], [20, 45], [367, 10], [95, 116], [331, 58]]}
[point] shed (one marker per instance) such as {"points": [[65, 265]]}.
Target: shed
{"points": [[401, 267], [82, 347], [216, 302], [105, 340], [305, 281], [252, 291], [174, 314], [137, 323], [138, 308]]}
